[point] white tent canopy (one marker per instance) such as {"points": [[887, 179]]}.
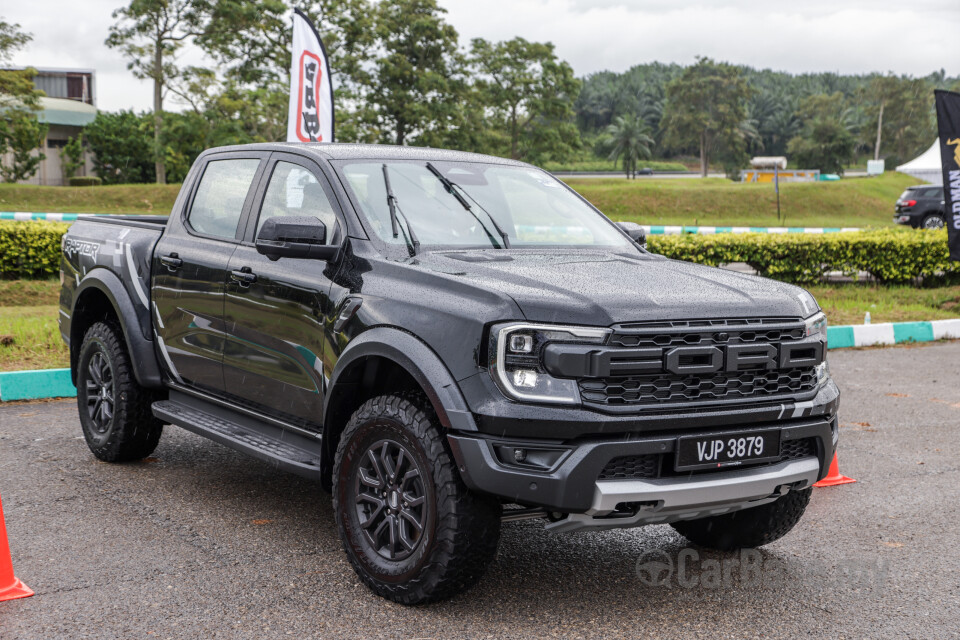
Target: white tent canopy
{"points": [[926, 166]]}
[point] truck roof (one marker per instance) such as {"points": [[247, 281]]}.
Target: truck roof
{"points": [[352, 151]]}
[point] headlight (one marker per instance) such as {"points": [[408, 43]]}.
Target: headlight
{"points": [[516, 365], [816, 325]]}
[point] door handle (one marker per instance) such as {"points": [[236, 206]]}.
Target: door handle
{"points": [[244, 276], [172, 262]]}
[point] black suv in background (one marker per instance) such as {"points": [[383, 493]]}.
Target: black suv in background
{"points": [[921, 207]]}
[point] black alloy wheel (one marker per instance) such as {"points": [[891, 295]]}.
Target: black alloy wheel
{"points": [[390, 499], [100, 392]]}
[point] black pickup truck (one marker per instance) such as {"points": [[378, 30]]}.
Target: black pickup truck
{"points": [[446, 341]]}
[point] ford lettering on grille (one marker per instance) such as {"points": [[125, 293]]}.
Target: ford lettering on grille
{"points": [[656, 365]]}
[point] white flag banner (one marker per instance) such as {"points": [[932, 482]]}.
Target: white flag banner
{"points": [[310, 116]]}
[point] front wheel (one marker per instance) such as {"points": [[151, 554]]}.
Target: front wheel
{"points": [[411, 529], [753, 527]]}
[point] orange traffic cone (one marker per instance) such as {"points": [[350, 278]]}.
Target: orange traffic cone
{"points": [[833, 476], [10, 587]]}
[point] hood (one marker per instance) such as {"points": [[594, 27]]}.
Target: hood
{"points": [[600, 288]]}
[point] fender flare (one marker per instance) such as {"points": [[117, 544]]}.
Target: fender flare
{"points": [[420, 361], [146, 368]]}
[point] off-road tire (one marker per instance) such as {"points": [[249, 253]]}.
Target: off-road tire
{"points": [[753, 527], [460, 529], [131, 432]]}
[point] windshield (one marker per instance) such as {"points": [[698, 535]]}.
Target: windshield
{"points": [[531, 207]]}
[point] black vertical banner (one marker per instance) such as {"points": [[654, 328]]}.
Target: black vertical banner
{"points": [[948, 124]]}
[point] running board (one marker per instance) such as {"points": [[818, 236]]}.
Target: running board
{"points": [[282, 448]]}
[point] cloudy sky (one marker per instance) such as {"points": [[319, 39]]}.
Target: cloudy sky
{"points": [[847, 36]]}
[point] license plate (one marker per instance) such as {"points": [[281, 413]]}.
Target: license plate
{"points": [[727, 450]]}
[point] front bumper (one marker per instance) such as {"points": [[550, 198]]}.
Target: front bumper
{"points": [[573, 483]]}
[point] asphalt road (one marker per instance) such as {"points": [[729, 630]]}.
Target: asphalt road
{"points": [[199, 541]]}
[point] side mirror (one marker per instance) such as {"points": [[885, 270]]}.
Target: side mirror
{"points": [[295, 237], [635, 231]]}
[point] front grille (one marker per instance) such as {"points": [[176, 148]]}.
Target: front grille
{"points": [[666, 388], [653, 465], [642, 389]]}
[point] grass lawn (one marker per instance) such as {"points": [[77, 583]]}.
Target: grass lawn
{"points": [[126, 198], [851, 202], [29, 334], [847, 303], [30, 338]]}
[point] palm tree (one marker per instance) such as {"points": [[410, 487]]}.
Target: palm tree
{"points": [[629, 137]]}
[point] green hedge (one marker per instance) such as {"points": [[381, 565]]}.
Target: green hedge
{"points": [[890, 255], [30, 250]]}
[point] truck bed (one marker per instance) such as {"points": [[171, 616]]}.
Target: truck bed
{"points": [[114, 249]]}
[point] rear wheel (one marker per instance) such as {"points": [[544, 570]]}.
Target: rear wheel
{"points": [[115, 414], [933, 221], [411, 529], [753, 527]]}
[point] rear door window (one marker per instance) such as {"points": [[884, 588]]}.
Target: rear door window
{"points": [[218, 203]]}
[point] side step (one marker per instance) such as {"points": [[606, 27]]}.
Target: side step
{"points": [[285, 450]]}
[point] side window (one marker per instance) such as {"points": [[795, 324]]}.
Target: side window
{"points": [[295, 191], [219, 201]]}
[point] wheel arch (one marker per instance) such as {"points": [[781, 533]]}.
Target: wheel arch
{"points": [[386, 359], [102, 296]]}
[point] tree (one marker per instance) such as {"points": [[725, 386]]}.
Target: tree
{"points": [[149, 33], [122, 147], [20, 135], [20, 130], [824, 144], [902, 109], [252, 40], [527, 88], [11, 39], [418, 77], [71, 157], [629, 139], [706, 104], [16, 85], [826, 140]]}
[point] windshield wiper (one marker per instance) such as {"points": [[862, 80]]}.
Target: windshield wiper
{"points": [[454, 189], [413, 244]]}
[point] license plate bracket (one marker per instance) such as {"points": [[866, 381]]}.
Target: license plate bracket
{"points": [[725, 450]]}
